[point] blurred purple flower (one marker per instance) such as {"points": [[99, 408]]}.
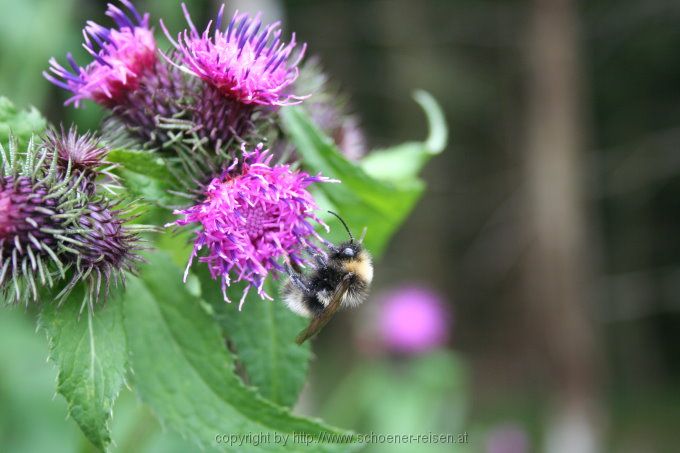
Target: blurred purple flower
{"points": [[413, 319], [330, 110], [120, 55], [343, 128], [253, 215], [246, 62], [508, 438]]}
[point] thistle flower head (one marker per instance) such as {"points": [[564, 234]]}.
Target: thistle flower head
{"points": [[253, 215], [247, 61], [120, 56], [344, 129], [507, 438]]}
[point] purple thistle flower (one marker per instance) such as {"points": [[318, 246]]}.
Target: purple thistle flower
{"points": [[221, 119], [344, 129], [253, 215], [50, 226], [160, 95], [121, 55], [413, 319], [82, 151], [125, 76], [246, 62]]}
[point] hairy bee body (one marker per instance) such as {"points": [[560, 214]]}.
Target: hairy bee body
{"points": [[309, 295]]}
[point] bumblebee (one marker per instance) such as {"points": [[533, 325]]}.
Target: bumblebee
{"points": [[339, 280]]}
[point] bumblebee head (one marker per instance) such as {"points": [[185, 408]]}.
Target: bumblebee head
{"points": [[351, 255], [346, 251]]}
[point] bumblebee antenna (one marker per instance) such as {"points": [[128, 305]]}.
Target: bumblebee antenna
{"points": [[343, 224]]}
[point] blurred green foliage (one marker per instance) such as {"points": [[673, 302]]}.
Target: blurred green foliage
{"points": [[426, 394]]}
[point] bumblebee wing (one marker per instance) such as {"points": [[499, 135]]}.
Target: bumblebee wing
{"points": [[318, 323]]}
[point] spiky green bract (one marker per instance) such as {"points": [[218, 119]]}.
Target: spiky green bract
{"points": [[39, 216], [162, 94], [195, 159], [213, 130]]}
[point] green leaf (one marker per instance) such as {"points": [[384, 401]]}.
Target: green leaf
{"points": [[184, 372], [21, 123], [405, 161], [362, 200], [145, 174], [145, 162], [90, 353], [263, 333]]}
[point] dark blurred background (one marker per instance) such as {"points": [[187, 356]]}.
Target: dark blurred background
{"points": [[549, 222]]}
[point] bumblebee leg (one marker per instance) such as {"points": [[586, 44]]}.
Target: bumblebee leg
{"points": [[296, 279], [289, 270], [320, 260]]}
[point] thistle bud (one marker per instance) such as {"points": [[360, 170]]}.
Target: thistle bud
{"points": [[36, 208], [81, 155], [106, 250], [330, 110]]}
